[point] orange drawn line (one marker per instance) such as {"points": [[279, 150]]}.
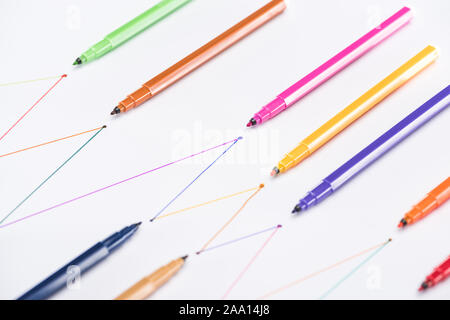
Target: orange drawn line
{"points": [[205, 203], [48, 142], [230, 220], [314, 274]]}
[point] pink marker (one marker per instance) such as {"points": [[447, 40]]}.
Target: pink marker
{"points": [[332, 66]]}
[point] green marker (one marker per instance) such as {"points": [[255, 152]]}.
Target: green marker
{"points": [[130, 29]]}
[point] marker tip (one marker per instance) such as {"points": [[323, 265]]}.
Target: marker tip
{"points": [[116, 110], [402, 223], [423, 286], [251, 123], [274, 172], [77, 61]]}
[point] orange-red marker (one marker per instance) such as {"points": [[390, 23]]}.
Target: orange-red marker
{"points": [[432, 201]]}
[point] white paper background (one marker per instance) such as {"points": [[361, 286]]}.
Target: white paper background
{"points": [[210, 106]]}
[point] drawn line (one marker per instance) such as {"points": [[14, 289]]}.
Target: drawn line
{"points": [[39, 100], [112, 185], [353, 271], [27, 81], [51, 175], [252, 260], [314, 274], [205, 203], [240, 239], [230, 220], [49, 142], [195, 179]]}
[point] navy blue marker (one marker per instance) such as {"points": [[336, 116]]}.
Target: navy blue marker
{"points": [[82, 263]]}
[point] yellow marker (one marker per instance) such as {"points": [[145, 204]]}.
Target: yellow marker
{"points": [[355, 110]]}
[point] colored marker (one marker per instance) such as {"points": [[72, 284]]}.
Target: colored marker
{"points": [[130, 29], [148, 285], [201, 56], [439, 274], [376, 149], [431, 202], [355, 110], [327, 70], [79, 265]]}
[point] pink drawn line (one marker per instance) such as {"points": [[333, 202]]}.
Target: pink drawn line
{"points": [[239, 277], [113, 185], [28, 111]]}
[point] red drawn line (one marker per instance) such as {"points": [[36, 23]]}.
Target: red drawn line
{"points": [[239, 277], [28, 111]]}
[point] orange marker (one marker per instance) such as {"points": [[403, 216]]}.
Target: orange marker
{"points": [[201, 56], [432, 201], [439, 274]]}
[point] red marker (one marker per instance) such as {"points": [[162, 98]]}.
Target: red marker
{"points": [[438, 275]]}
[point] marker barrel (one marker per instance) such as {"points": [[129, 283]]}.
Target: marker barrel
{"points": [[377, 148], [147, 285], [431, 202], [132, 28], [358, 108], [65, 275], [439, 274], [327, 70], [202, 55]]}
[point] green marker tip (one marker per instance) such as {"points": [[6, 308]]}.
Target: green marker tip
{"points": [[77, 61]]}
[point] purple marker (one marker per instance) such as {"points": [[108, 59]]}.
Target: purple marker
{"points": [[376, 149]]}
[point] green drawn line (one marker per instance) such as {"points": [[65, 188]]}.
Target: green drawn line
{"points": [[49, 177], [353, 271], [27, 81]]}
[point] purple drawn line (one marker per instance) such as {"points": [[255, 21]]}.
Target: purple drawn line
{"points": [[239, 239], [113, 185], [192, 182]]}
